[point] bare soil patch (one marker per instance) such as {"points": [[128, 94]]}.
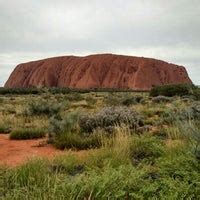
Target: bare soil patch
{"points": [[14, 152]]}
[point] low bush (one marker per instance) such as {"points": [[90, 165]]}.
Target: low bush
{"points": [[1, 100], [64, 134], [20, 91], [172, 90], [146, 149], [128, 100], [76, 141], [74, 97], [60, 125], [192, 112], [90, 100], [4, 129], [26, 134], [196, 93], [42, 108], [67, 165], [109, 117], [161, 99], [124, 99], [112, 100], [172, 115], [191, 131]]}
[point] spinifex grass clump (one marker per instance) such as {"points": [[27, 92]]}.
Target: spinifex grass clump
{"points": [[76, 141], [123, 99], [59, 125], [128, 100], [4, 128], [161, 99], [64, 134], [42, 107], [109, 117], [26, 134], [191, 130], [192, 112]]}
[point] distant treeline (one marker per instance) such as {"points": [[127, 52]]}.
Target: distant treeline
{"points": [[176, 90], [55, 90], [165, 90]]}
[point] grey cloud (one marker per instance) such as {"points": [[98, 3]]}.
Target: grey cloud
{"points": [[166, 30]]}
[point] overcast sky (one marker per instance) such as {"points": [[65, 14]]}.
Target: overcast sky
{"points": [[163, 29]]}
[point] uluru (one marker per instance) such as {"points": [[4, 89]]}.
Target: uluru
{"points": [[97, 71]]}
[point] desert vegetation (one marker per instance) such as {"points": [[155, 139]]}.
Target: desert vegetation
{"points": [[116, 144]]}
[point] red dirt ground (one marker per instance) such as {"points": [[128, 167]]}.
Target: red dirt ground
{"points": [[14, 152]]}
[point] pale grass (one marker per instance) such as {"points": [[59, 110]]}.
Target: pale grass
{"points": [[119, 143], [173, 132], [173, 144]]}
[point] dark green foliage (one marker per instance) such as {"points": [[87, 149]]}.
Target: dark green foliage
{"points": [[161, 99], [192, 112], [20, 91], [172, 90], [55, 90], [4, 129], [74, 97], [123, 99], [109, 117], [146, 149], [42, 107], [64, 134], [128, 100], [26, 134], [172, 115], [1, 100], [67, 124], [191, 130], [112, 99], [90, 100], [174, 175], [68, 165], [76, 141], [196, 93]]}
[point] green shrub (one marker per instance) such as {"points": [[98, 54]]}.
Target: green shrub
{"points": [[19, 91], [191, 130], [146, 149], [128, 100], [4, 129], [123, 99], [67, 164], [192, 112], [109, 117], [75, 141], [1, 100], [189, 113], [42, 107], [74, 97], [90, 100], [160, 99], [196, 93], [67, 124], [172, 90], [64, 134], [112, 99], [26, 134]]}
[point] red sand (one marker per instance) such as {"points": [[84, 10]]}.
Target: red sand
{"points": [[14, 152]]}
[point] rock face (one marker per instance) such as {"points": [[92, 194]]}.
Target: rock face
{"points": [[97, 71]]}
